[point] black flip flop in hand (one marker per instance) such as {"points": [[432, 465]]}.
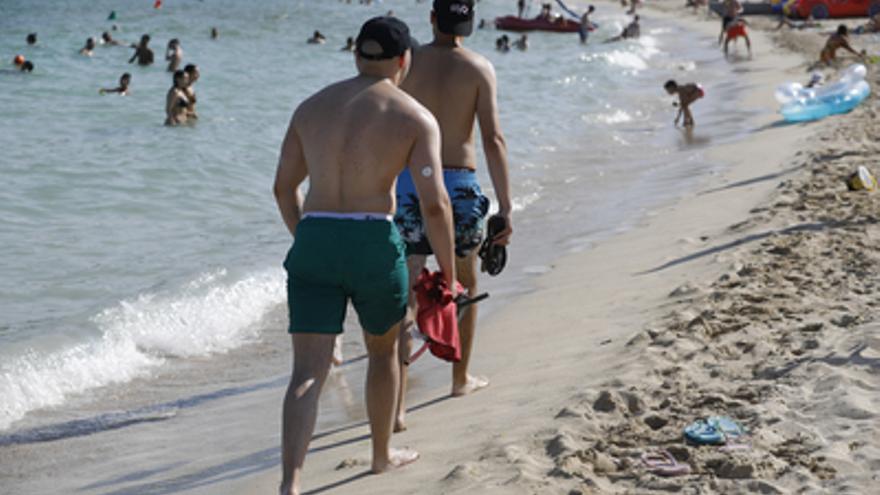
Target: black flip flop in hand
{"points": [[493, 256]]}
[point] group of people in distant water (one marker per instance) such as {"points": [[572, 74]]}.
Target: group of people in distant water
{"points": [[181, 98], [503, 43]]}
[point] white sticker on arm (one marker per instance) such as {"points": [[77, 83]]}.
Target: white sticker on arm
{"points": [[427, 171]]}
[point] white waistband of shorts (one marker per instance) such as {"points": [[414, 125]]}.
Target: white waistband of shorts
{"points": [[348, 215]]}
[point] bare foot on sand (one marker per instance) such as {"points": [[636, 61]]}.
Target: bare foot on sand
{"points": [[397, 459], [473, 384]]}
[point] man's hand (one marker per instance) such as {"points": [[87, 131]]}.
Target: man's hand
{"points": [[503, 237]]}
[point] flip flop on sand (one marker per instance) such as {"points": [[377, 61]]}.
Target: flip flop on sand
{"points": [[716, 430], [662, 463], [735, 437]]}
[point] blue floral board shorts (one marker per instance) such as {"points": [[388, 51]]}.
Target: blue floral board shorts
{"points": [[469, 209]]}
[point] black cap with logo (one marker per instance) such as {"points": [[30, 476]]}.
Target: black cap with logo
{"points": [[382, 38], [455, 16]]}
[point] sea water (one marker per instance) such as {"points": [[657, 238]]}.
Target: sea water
{"points": [[140, 267]]}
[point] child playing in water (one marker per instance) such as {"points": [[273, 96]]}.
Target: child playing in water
{"points": [[687, 94]]}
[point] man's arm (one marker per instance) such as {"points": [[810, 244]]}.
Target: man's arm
{"points": [[494, 147], [427, 174], [136, 50], [291, 173]]}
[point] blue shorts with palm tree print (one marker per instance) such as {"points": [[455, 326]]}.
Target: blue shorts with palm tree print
{"points": [[469, 209]]}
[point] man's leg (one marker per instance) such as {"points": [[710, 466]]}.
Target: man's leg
{"points": [[381, 398], [311, 363], [462, 382], [414, 265]]}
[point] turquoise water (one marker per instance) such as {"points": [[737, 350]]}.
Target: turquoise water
{"points": [[141, 264]]}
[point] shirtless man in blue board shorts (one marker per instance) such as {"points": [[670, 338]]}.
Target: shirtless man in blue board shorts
{"points": [[352, 139], [458, 86]]}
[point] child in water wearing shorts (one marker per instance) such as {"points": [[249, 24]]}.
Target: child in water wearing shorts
{"points": [[687, 94]]}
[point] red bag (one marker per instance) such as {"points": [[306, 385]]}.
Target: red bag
{"points": [[437, 317]]}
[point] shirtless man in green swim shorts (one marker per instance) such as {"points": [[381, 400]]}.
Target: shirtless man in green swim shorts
{"points": [[458, 86], [352, 139]]}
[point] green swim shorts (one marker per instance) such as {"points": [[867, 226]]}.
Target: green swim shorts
{"points": [[333, 260]]}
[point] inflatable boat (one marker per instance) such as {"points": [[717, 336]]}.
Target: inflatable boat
{"points": [[801, 104], [518, 24]]}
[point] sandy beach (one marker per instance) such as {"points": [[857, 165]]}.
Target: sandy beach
{"points": [[750, 297]]}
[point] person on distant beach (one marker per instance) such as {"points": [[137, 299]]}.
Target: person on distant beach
{"points": [[31, 39], [173, 54], [586, 24], [737, 29], [838, 40], [351, 140], [122, 89], [522, 43], [142, 52], [520, 7], [349, 45], [732, 9], [192, 75], [176, 102], [108, 40], [687, 94], [87, 50], [317, 39], [215, 33], [472, 97]]}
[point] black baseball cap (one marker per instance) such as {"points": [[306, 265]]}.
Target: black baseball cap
{"points": [[455, 16], [382, 38]]}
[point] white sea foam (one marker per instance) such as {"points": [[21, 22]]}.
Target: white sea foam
{"points": [[207, 316], [616, 117]]}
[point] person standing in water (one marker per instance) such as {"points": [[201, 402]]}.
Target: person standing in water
{"points": [[458, 86], [142, 52], [176, 102], [192, 75], [173, 55], [351, 140], [586, 25], [122, 89]]}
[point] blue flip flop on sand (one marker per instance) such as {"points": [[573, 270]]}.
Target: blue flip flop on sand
{"points": [[714, 430]]}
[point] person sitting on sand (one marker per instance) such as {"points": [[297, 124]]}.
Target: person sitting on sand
{"points": [[176, 103], [142, 52], [736, 29], [108, 40], [89, 48], [522, 43], [122, 89], [586, 24], [732, 9], [349, 45], [317, 39], [687, 94], [838, 40], [173, 54], [192, 75]]}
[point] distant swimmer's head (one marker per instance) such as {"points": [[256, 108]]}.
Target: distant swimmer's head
{"points": [[383, 40], [180, 79], [125, 80], [173, 43], [27, 66], [32, 39], [90, 44], [455, 17], [590, 9], [18, 60], [842, 30], [670, 86], [145, 39], [214, 33], [192, 72], [106, 37]]}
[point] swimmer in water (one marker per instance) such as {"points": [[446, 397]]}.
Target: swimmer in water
{"points": [[215, 33], [32, 39], [122, 89], [522, 43], [142, 53], [27, 66], [317, 39], [349, 45], [173, 54], [192, 75], [176, 103], [87, 50], [586, 24], [108, 40], [632, 30], [502, 44], [18, 60], [687, 95]]}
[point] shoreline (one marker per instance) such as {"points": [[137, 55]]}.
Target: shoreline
{"points": [[550, 353]]}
